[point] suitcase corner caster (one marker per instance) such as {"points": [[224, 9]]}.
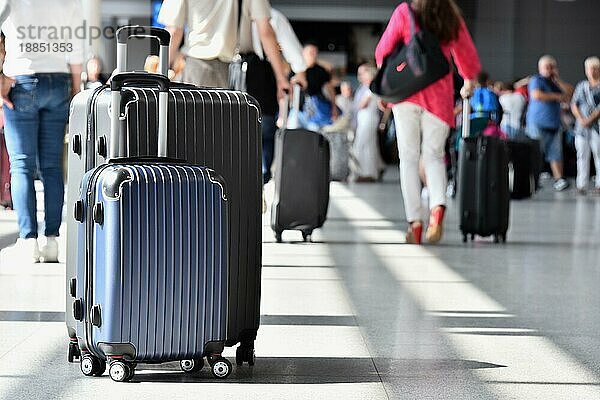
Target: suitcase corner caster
{"points": [[245, 354], [219, 366], [307, 236], [74, 352], [92, 366], [190, 366], [278, 238], [121, 371], [496, 238]]}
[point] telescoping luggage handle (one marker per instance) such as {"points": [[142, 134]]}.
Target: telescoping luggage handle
{"points": [[295, 106], [136, 31], [117, 138], [466, 118]]}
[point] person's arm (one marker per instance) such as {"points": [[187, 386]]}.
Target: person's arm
{"points": [[173, 15], [586, 122], [466, 59], [290, 45], [176, 38], [540, 95], [364, 102], [566, 88], [75, 70], [391, 36], [6, 82], [271, 49]]}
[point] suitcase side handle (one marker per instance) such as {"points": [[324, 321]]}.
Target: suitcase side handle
{"points": [[117, 138], [137, 31]]}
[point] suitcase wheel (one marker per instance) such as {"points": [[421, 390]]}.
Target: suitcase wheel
{"points": [[189, 366], [278, 238], [307, 236], [92, 366], [120, 371], [221, 368], [245, 354], [464, 238]]}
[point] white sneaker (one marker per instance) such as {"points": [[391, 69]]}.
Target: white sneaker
{"points": [[49, 251], [561, 184], [23, 250]]}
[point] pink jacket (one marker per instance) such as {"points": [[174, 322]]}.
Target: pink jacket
{"points": [[438, 98]]}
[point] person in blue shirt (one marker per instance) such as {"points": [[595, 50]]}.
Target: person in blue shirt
{"points": [[484, 102], [546, 92]]}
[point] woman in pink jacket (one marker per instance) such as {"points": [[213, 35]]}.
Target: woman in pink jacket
{"points": [[424, 119]]}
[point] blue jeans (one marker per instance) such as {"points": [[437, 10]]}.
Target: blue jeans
{"points": [[268, 145], [35, 131], [550, 142]]}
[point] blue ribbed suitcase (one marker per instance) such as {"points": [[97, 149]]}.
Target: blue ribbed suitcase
{"points": [[151, 283]]}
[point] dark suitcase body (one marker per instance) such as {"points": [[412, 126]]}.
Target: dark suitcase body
{"points": [[5, 194], [484, 199], [522, 168], [152, 256], [302, 179]]}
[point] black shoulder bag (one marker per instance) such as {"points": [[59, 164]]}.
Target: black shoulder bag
{"points": [[411, 67]]}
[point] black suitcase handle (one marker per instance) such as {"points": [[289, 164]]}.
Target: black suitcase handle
{"points": [[117, 137], [118, 81], [137, 31]]}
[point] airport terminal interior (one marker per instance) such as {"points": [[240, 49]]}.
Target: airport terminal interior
{"points": [[357, 312]]}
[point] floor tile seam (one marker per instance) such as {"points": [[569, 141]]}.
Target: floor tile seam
{"points": [[18, 343]]}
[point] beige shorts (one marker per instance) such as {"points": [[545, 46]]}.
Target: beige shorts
{"points": [[209, 73]]}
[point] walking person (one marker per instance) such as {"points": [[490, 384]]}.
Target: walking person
{"points": [[365, 148], [546, 92], [423, 120], [36, 88], [585, 106]]}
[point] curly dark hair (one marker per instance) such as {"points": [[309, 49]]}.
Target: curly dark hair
{"points": [[440, 17]]}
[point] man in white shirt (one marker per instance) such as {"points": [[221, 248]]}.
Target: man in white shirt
{"points": [[212, 37], [41, 71]]}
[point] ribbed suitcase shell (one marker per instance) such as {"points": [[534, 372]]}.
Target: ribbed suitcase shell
{"points": [[484, 199], [217, 128], [301, 182], [158, 264]]}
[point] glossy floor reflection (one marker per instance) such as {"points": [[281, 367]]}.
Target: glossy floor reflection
{"points": [[358, 314]]}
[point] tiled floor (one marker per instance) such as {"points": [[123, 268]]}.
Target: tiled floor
{"points": [[360, 315]]}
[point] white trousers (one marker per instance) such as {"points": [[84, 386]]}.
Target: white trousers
{"points": [[420, 134], [587, 145]]}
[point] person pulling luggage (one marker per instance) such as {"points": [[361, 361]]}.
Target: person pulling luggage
{"points": [[423, 120]]}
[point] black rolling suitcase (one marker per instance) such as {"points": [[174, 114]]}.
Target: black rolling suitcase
{"points": [[216, 128], [484, 198], [302, 176], [522, 167]]}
